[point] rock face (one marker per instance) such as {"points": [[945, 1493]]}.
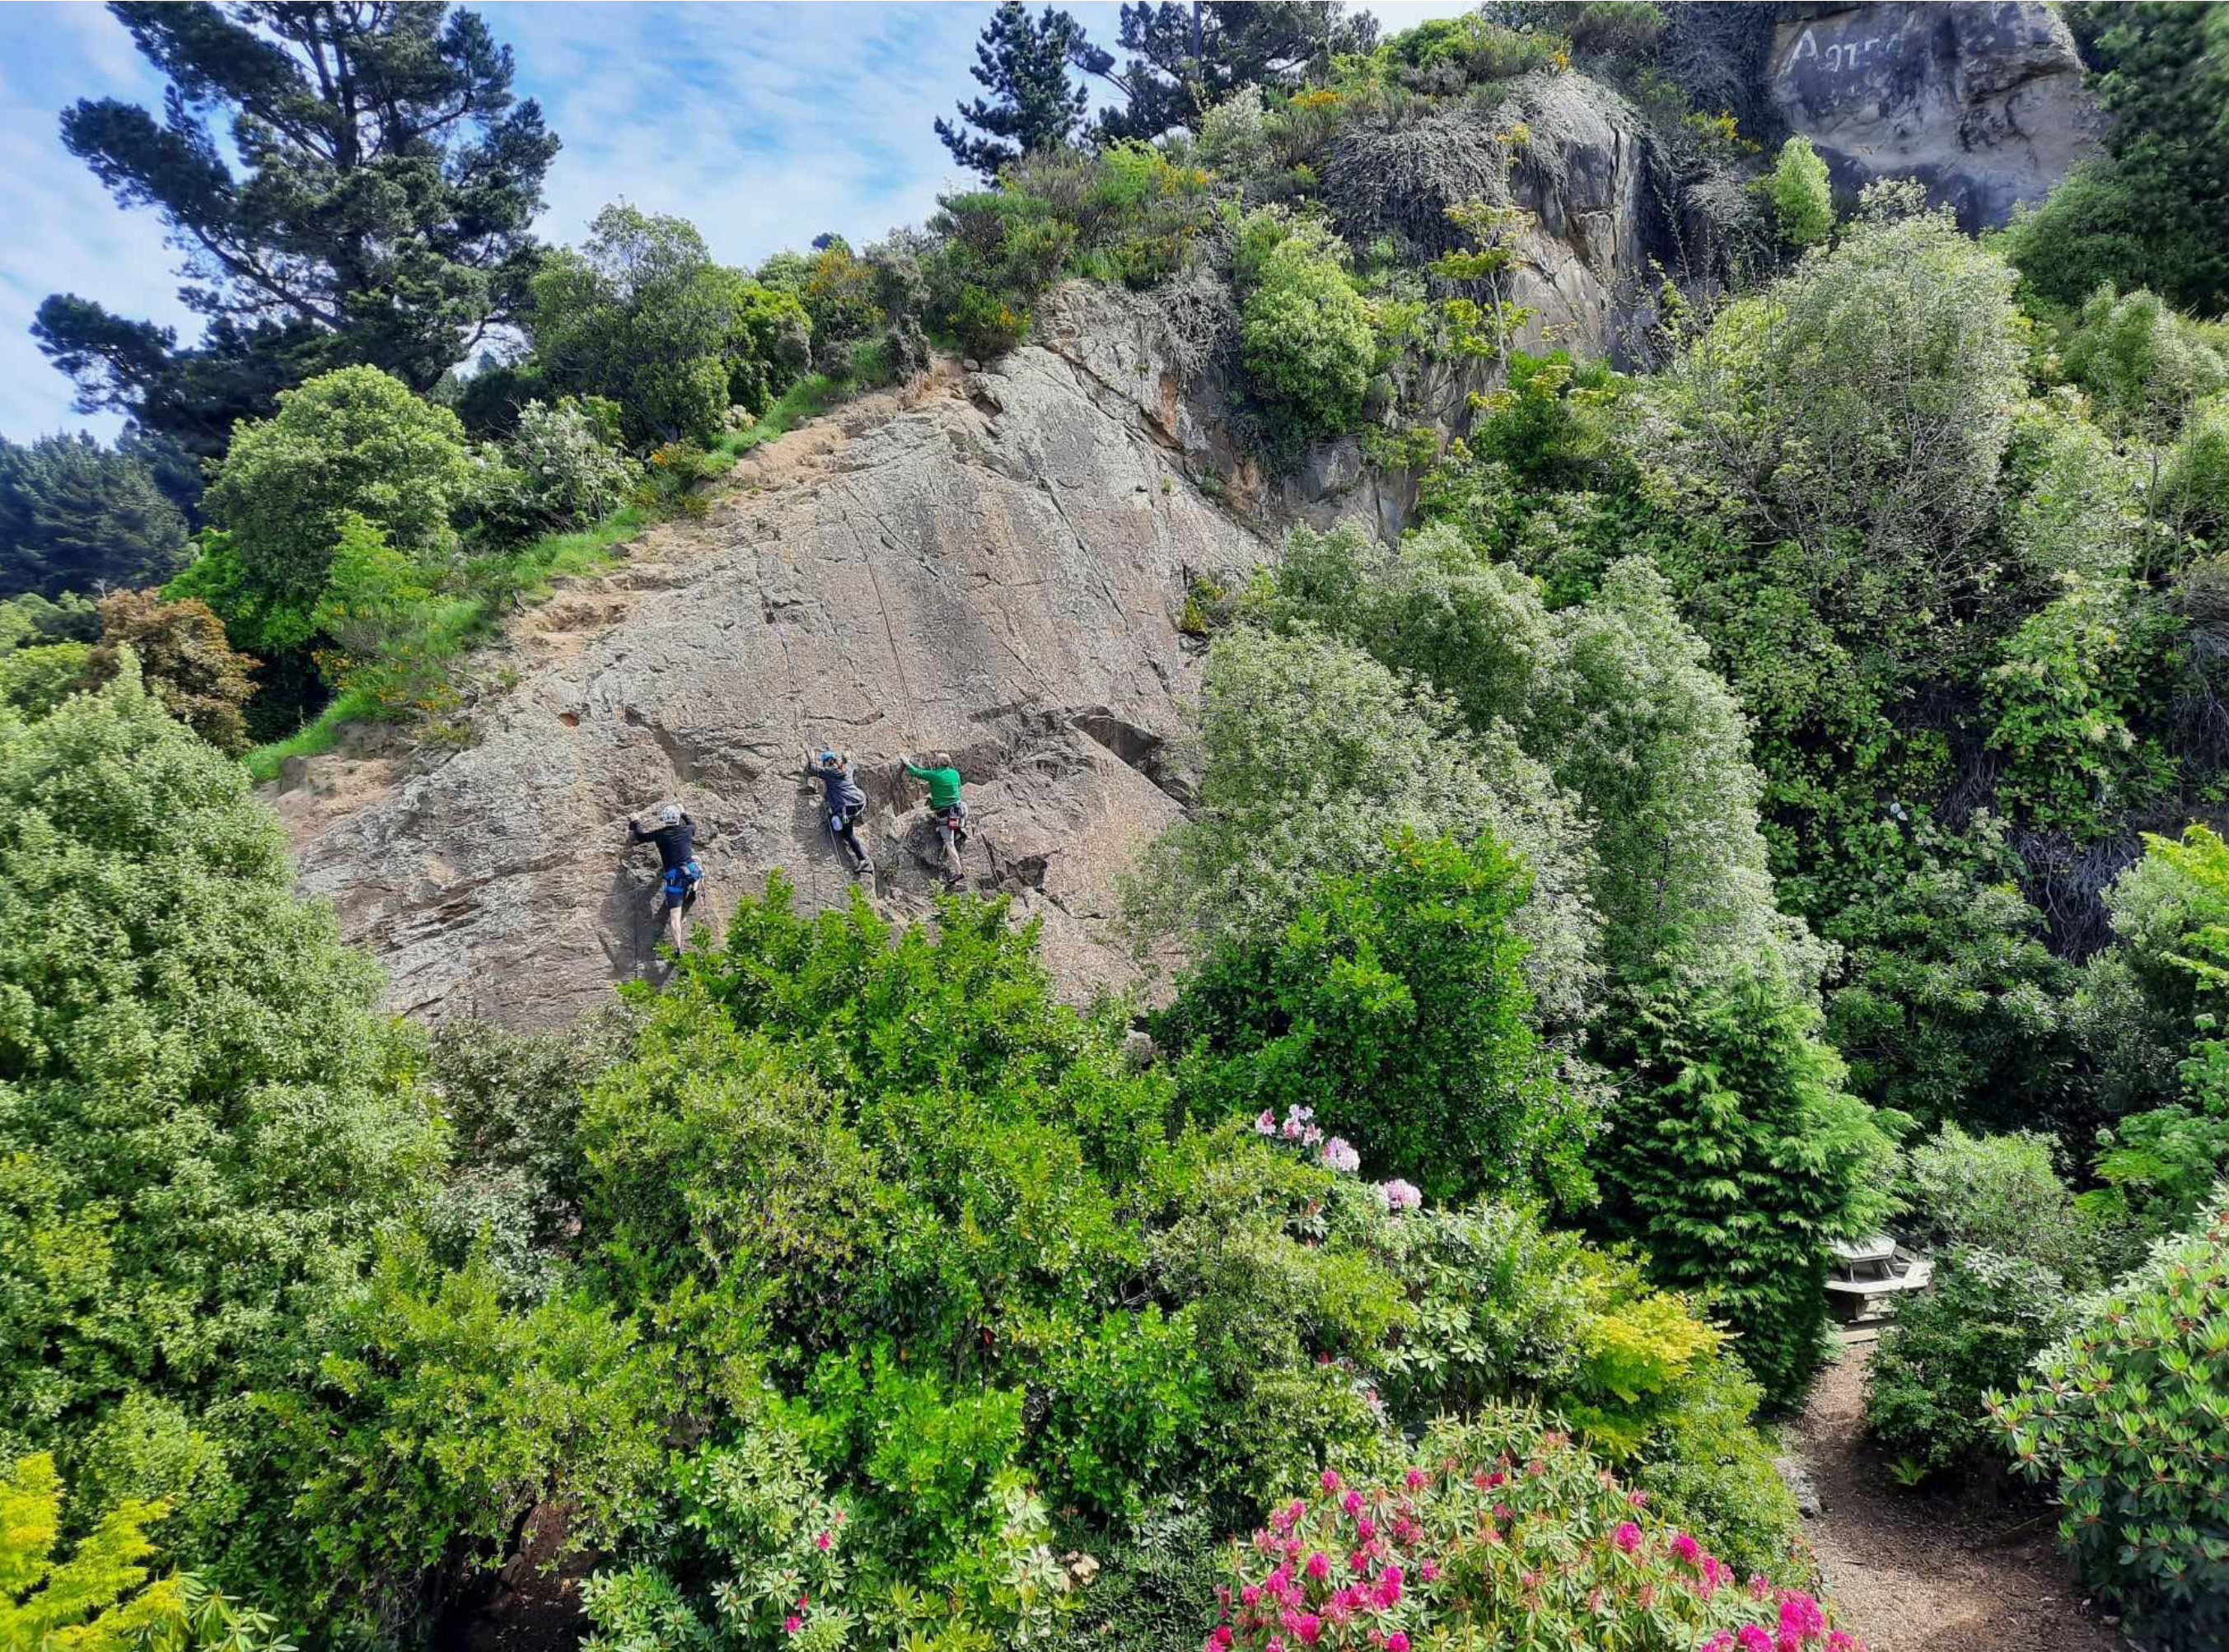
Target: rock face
{"points": [[1982, 102], [991, 564]]}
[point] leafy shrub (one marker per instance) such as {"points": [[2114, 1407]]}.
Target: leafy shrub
{"points": [[2158, 1166], [1802, 203], [378, 609], [2127, 1421], [1305, 336], [2069, 701], [2145, 216], [642, 314], [1155, 1586], [1733, 1156], [184, 657], [34, 681], [2144, 366], [1122, 1407], [1277, 1254], [2195, 482], [30, 621], [436, 1422], [1503, 1531], [1972, 1333], [1504, 1309], [184, 1040], [353, 440], [985, 324], [1874, 387], [1315, 754], [1395, 1004], [1950, 1008], [562, 469], [2000, 1192], [515, 1176], [93, 1600], [1445, 54]]}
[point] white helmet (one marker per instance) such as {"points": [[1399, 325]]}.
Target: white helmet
{"points": [[671, 815]]}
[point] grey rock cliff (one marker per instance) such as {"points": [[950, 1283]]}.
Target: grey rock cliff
{"points": [[991, 563], [1982, 102]]}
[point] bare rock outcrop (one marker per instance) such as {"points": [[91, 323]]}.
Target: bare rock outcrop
{"points": [[1982, 102], [990, 563]]}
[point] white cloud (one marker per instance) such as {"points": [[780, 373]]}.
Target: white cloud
{"points": [[763, 123]]}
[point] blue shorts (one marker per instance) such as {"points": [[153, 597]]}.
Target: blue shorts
{"points": [[681, 883]]}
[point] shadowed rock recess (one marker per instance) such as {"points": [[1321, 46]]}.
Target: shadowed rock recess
{"points": [[991, 563]]}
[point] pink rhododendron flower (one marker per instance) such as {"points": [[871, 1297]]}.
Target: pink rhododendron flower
{"points": [[1685, 1547], [1328, 1480], [1266, 1125], [1338, 1154], [1415, 1479], [1397, 1194], [791, 1623], [1365, 1528], [1753, 1639], [1397, 1641], [1250, 1595], [1351, 1502], [1758, 1588], [1638, 1499], [822, 1542], [1627, 1537], [1722, 1641], [1428, 1571], [1317, 1566], [1799, 1615], [1309, 1627], [1222, 1636]]}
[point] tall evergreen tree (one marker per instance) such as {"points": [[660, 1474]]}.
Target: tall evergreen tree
{"points": [[1185, 58], [1024, 66], [77, 516], [380, 214]]}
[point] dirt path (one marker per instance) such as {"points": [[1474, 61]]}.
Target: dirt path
{"points": [[1915, 1573]]}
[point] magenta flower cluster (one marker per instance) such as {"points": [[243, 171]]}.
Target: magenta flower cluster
{"points": [[1379, 1570]]}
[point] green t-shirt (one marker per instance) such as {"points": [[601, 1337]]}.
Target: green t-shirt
{"points": [[943, 785]]}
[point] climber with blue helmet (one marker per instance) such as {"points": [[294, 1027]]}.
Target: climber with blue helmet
{"points": [[845, 800]]}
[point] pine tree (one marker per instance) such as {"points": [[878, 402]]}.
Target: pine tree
{"points": [[77, 516], [1023, 65], [380, 214], [1185, 58]]}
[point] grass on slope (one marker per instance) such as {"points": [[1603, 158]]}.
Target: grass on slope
{"points": [[462, 623]]}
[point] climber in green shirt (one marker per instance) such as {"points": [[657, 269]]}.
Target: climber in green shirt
{"points": [[946, 803]]}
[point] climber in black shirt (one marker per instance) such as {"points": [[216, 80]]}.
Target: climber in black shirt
{"points": [[676, 838]]}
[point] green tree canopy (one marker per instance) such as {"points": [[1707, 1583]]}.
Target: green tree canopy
{"points": [[1023, 63], [380, 214], [203, 1117], [77, 516], [641, 314], [1395, 1005], [351, 440], [1185, 59]]}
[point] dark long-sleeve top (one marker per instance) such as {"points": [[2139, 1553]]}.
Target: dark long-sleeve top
{"points": [[677, 845]]}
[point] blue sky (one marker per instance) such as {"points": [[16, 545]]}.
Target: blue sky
{"points": [[763, 123]]}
